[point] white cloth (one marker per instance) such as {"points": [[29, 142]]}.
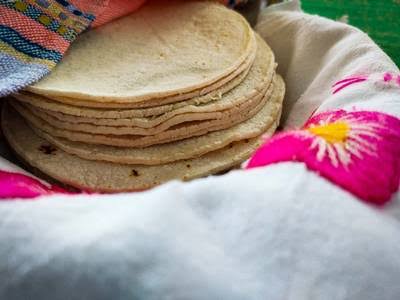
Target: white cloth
{"points": [[280, 232]]}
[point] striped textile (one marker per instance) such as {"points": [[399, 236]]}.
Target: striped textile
{"points": [[34, 34]]}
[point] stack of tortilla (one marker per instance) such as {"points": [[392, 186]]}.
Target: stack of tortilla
{"points": [[177, 90]]}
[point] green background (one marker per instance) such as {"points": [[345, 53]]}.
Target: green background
{"points": [[379, 18]]}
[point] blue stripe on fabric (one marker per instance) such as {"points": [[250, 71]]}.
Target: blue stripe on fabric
{"points": [[76, 12], [63, 3], [16, 74], [54, 25], [91, 17], [73, 9], [12, 37], [33, 12]]}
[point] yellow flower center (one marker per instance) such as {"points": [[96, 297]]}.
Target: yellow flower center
{"points": [[333, 133]]}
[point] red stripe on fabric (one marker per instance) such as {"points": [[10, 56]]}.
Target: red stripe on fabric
{"points": [[32, 30], [116, 9]]}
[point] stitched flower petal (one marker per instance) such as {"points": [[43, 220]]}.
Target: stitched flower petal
{"points": [[359, 151]]}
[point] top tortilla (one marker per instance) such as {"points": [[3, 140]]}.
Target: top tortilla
{"points": [[259, 76], [166, 48], [225, 83]]}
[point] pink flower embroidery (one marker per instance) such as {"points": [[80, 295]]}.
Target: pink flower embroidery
{"points": [[15, 185], [391, 78], [385, 78], [340, 85], [359, 151]]}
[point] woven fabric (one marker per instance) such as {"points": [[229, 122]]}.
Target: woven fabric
{"points": [[34, 34]]}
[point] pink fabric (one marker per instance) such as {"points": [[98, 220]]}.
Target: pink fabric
{"points": [[108, 10], [15, 185], [358, 151], [116, 9]]}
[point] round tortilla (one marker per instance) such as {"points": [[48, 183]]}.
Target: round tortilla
{"points": [[256, 82], [110, 129], [164, 49], [258, 77], [102, 176], [211, 91], [266, 119], [178, 132]]}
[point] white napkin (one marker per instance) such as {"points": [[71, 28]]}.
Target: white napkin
{"points": [[279, 232]]}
